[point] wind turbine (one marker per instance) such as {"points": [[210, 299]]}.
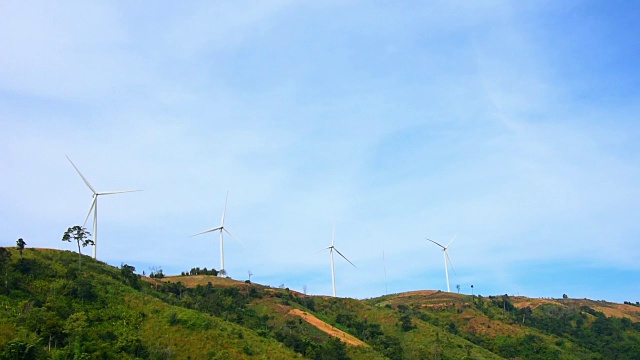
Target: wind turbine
{"points": [[331, 249], [94, 206], [447, 260], [222, 229]]}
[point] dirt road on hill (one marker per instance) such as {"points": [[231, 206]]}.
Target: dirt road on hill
{"points": [[347, 338]]}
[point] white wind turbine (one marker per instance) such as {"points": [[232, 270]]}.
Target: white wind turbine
{"points": [[447, 260], [94, 206], [331, 249], [222, 229]]}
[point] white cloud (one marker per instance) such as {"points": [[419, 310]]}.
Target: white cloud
{"points": [[396, 123]]}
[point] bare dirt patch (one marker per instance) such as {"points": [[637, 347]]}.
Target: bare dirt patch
{"points": [[333, 331]]}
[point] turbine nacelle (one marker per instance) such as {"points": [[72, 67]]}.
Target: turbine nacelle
{"points": [[447, 260], [331, 249], [222, 229], [94, 206]]}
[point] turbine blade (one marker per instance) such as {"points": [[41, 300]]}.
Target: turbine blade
{"points": [[207, 231], [454, 237], [327, 248], [333, 238], [93, 205], [117, 192], [344, 257], [224, 211], [232, 235], [450, 263], [436, 243], [82, 176], [384, 265]]}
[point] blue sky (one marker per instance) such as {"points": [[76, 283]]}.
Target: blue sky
{"points": [[511, 124]]}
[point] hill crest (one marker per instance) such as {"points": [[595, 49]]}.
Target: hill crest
{"points": [[172, 316]]}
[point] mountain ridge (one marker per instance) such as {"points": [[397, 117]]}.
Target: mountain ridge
{"points": [[53, 308]]}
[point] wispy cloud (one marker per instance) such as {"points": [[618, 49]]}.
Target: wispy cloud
{"points": [[394, 122]]}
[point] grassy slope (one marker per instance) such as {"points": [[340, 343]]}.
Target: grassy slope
{"points": [[423, 341], [115, 315], [442, 324], [631, 312], [422, 324], [501, 329], [451, 312]]}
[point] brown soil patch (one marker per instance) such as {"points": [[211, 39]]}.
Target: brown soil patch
{"points": [[347, 338]]}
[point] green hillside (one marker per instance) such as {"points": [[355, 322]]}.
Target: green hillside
{"points": [[50, 308]]}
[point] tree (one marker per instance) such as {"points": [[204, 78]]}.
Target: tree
{"points": [[19, 349], [5, 256], [156, 272], [405, 322], [334, 349], [565, 296], [458, 287], [471, 290], [527, 311], [75, 327], [129, 276], [81, 236], [21, 245]]}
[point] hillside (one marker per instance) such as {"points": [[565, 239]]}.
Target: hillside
{"points": [[52, 309]]}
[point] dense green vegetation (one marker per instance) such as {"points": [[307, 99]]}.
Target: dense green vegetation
{"points": [[198, 271], [238, 305], [52, 308]]}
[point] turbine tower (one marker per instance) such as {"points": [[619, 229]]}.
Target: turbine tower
{"points": [[331, 249], [384, 265], [222, 229], [94, 207], [447, 260]]}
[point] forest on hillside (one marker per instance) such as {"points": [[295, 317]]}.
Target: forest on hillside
{"points": [[61, 305]]}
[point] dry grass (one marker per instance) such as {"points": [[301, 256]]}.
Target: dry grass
{"points": [[620, 311], [609, 309], [424, 298], [192, 281], [419, 293], [523, 302]]}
